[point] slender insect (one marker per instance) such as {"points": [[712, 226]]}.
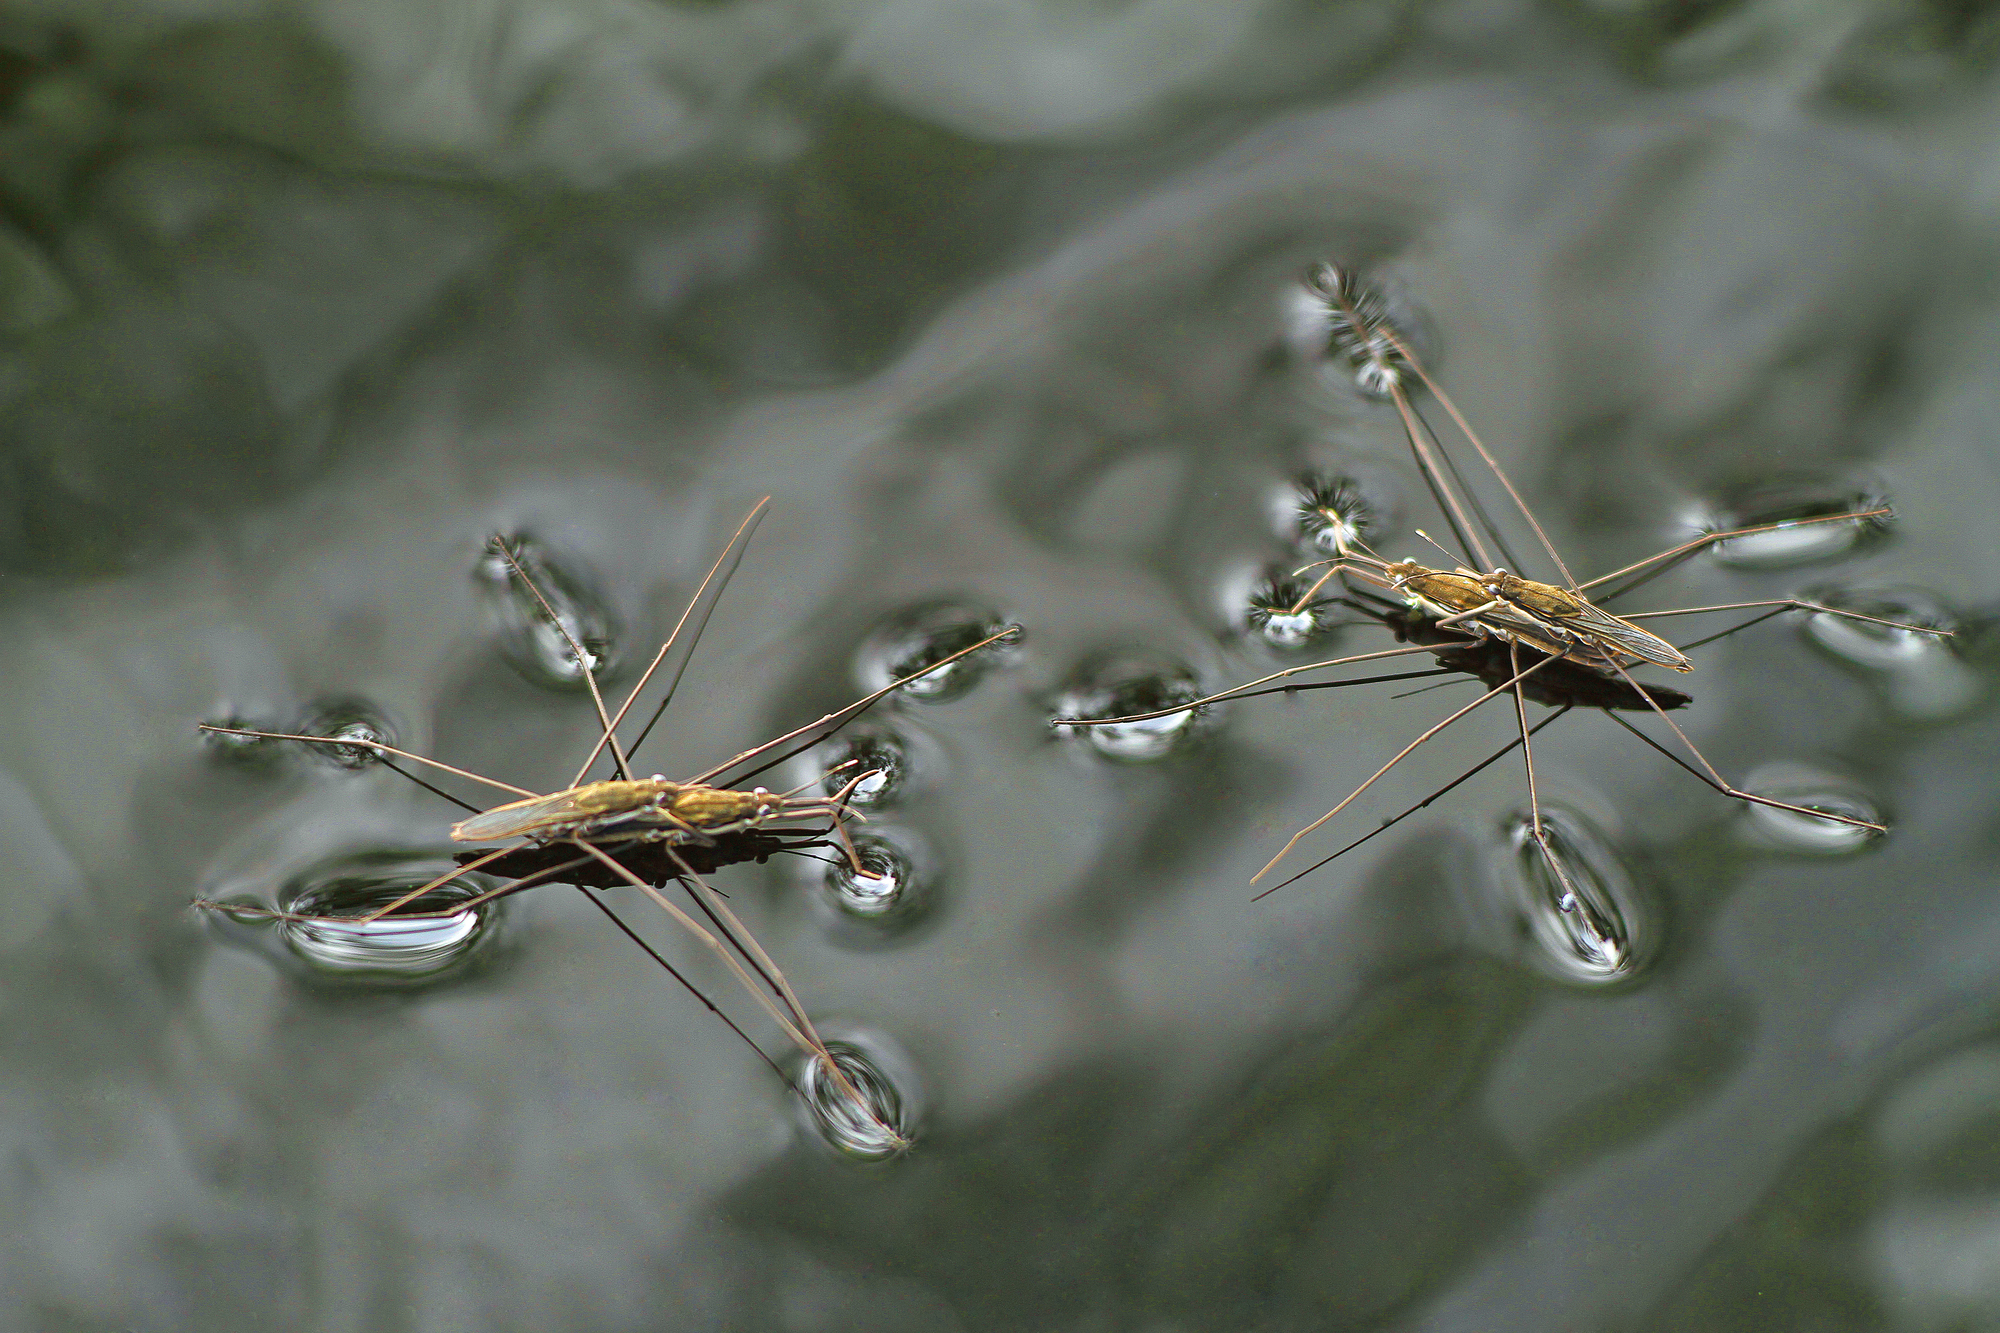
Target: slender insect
{"points": [[611, 828], [1521, 637]]}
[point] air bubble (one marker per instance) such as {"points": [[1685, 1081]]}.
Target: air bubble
{"points": [[529, 639], [347, 720], [313, 929], [1589, 929], [1120, 689], [884, 1123], [1922, 673], [917, 638], [1795, 831], [1790, 503]]}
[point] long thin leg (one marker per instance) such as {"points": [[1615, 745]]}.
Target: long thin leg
{"points": [[1501, 688], [1388, 824], [692, 989], [743, 938], [1465, 428], [1461, 525], [576, 650], [702, 933], [742, 534], [1335, 567], [1540, 832], [1721, 784], [1235, 690], [1709, 539], [1791, 604], [437, 883], [352, 744], [855, 707]]}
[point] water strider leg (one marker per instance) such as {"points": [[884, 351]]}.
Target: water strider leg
{"points": [[769, 970], [1717, 781], [1689, 548], [1388, 824], [675, 973], [1235, 690], [741, 535], [1499, 689], [576, 650], [707, 937], [376, 746], [847, 714], [1790, 604]]}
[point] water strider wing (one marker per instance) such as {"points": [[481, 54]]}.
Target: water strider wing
{"points": [[518, 818], [1606, 628]]}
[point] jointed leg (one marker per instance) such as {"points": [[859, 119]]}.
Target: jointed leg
{"points": [[1717, 781], [1434, 730], [1234, 690], [576, 651], [376, 746]]}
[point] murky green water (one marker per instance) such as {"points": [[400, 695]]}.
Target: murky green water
{"points": [[991, 298]]}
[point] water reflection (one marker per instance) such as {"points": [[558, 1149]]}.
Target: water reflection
{"points": [[532, 628], [914, 639], [314, 929], [347, 720], [1922, 674], [1579, 906], [1124, 686], [887, 1122], [1816, 789], [1784, 503]]}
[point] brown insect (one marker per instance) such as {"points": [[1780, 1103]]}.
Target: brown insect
{"points": [[607, 820], [1522, 637]]}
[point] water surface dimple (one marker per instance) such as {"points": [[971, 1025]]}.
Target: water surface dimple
{"points": [[1326, 511], [315, 927], [1278, 611], [249, 752], [1787, 506], [893, 887], [1355, 324], [885, 1122], [532, 629], [878, 755], [1120, 687], [1578, 906], [345, 720], [1815, 789], [911, 640], [1922, 673]]}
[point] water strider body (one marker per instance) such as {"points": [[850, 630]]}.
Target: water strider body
{"points": [[647, 810], [1543, 616]]}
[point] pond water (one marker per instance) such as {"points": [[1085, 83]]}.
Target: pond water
{"points": [[997, 301]]}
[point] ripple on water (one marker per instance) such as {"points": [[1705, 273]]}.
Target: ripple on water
{"points": [[422, 943], [1119, 686], [1594, 929], [893, 890], [913, 639], [1922, 674], [345, 719], [1321, 509], [530, 639], [1273, 612], [248, 752], [1787, 502], [1336, 316], [889, 763], [1793, 831], [887, 1122]]}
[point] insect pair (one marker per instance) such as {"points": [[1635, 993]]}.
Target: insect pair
{"points": [[614, 828], [1523, 638]]}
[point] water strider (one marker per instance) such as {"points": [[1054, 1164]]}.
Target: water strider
{"points": [[612, 829], [1521, 637]]}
